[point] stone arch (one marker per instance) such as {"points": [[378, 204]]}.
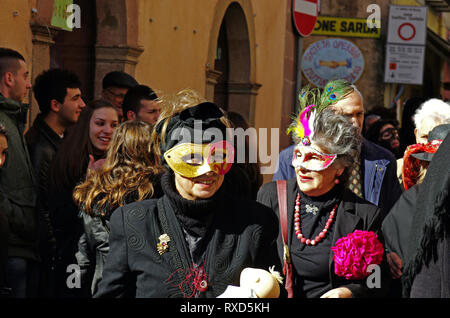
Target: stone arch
{"points": [[239, 87]]}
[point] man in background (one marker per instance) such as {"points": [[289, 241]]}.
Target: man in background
{"points": [[141, 103], [115, 86]]}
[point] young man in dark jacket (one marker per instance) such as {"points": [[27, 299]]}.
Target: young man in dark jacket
{"points": [[58, 94], [17, 184]]}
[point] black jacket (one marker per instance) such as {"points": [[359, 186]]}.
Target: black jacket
{"points": [[17, 184], [397, 224], [68, 228], [353, 213], [42, 144], [93, 246], [4, 233], [243, 234], [426, 266]]}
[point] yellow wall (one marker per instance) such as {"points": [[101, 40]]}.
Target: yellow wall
{"points": [[270, 24], [16, 32], [174, 59], [176, 46]]}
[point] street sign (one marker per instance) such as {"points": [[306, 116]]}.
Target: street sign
{"points": [[405, 47], [407, 25], [404, 64], [304, 13], [348, 27], [331, 59]]}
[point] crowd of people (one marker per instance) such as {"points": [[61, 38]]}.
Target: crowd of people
{"points": [[139, 195]]}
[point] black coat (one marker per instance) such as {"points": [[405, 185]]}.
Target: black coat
{"points": [[243, 235], [42, 144], [426, 266], [93, 246], [396, 229], [353, 213], [17, 184], [4, 233], [68, 228], [397, 224]]}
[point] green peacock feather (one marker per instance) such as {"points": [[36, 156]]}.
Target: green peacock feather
{"points": [[332, 92]]}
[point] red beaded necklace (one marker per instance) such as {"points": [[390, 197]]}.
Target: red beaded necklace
{"points": [[298, 232]]}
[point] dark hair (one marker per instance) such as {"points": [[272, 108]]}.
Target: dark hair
{"points": [[252, 169], [3, 130], [406, 132], [133, 97], [72, 157], [373, 133], [53, 84], [9, 60], [118, 79]]}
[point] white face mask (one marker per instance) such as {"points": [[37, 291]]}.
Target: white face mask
{"points": [[309, 158]]}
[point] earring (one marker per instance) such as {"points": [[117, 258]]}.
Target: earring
{"points": [[336, 181]]}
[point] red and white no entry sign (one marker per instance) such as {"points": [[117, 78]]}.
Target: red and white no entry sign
{"points": [[407, 25], [406, 31], [305, 15]]}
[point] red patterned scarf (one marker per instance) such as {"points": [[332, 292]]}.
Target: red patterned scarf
{"points": [[411, 165]]}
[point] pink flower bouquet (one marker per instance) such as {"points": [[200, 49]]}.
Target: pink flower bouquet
{"points": [[355, 252]]}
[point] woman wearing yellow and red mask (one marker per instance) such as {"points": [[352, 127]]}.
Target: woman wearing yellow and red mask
{"points": [[196, 239]]}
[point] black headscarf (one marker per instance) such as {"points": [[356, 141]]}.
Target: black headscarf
{"points": [[199, 124]]}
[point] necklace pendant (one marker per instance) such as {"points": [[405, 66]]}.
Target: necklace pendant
{"points": [[311, 209]]}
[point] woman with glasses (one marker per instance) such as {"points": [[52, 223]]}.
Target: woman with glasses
{"points": [[384, 132]]}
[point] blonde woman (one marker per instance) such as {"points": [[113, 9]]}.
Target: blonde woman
{"points": [[129, 174]]}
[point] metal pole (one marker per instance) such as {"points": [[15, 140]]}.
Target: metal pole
{"points": [[298, 83]]}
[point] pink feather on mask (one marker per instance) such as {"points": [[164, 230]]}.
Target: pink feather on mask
{"points": [[305, 121]]}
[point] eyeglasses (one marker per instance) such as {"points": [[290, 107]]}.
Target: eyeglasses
{"points": [[122, 96], [388, 133]]}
